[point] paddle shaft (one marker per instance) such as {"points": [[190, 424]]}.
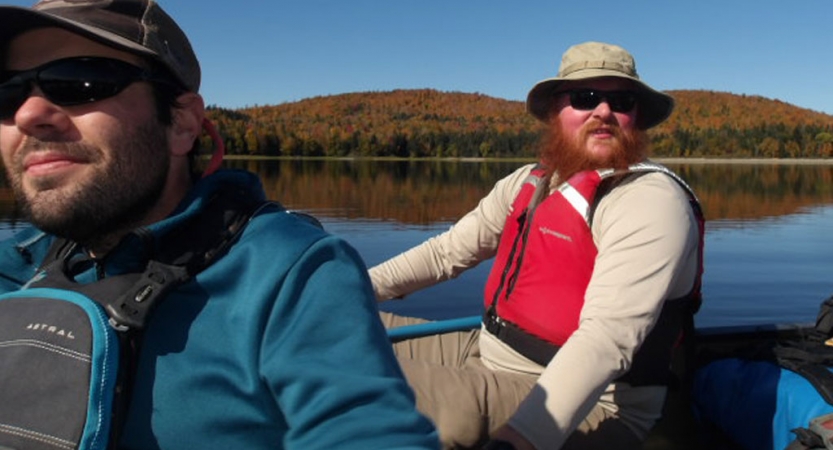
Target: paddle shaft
{"points": [[434, 327]]}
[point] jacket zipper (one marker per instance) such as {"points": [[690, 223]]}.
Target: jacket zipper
{"points": [[524, 238], [511, 262]]}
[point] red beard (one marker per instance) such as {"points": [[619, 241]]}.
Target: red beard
{"points": [[566, 156]]}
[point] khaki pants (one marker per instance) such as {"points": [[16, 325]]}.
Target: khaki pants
{"points": [[466, 401]]}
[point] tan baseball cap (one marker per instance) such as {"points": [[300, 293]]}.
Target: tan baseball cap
{"points": [[596, 60], [136, 26]]}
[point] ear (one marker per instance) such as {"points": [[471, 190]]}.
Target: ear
{"points": [[186, 123]]}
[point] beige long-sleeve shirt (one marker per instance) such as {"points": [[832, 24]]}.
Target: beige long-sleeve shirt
{"points": [[647, 240]]}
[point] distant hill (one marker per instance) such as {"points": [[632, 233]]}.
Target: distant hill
{"points": [[709, 109], [430, 123]]}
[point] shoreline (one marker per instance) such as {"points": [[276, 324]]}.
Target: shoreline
{"points": [[662, 160], [792, 161]]}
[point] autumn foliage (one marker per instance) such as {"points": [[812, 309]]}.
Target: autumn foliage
{"points": [[429, 123]]}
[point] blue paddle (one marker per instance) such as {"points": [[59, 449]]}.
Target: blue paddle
{"points": [[434, 327]]}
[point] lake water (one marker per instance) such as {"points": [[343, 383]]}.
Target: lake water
{"points": [[768, 254]]}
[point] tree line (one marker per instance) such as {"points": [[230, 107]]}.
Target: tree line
{"points": [[424, 123]]}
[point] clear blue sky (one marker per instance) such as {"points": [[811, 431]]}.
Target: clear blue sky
{"points": [[261, 52]]}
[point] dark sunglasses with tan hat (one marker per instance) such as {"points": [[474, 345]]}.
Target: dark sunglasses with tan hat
{"points": [[597, 60]]}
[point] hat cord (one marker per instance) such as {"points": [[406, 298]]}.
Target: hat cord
{"points": [[219, 148]]}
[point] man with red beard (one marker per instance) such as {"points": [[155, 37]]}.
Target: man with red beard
{"points": [[596, 274]]}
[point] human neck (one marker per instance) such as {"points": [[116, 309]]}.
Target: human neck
{"points": [[175, 192]]}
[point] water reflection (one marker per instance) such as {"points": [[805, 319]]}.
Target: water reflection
{"points": [[408, 192], [427, 192], [738, 192]]}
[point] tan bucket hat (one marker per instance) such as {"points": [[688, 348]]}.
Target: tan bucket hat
{"points": [[136, 26], [595, 60]]}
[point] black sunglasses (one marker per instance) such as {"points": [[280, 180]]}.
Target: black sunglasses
{"points": [[70, 81], [587, 99]]}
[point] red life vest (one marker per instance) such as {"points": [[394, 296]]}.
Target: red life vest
{"points": [[555, 234]]}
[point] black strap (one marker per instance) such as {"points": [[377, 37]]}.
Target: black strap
{"points": [[823, 329], [805, 440], [810, 360], [527, 344], [652, 365], [174, 259]]}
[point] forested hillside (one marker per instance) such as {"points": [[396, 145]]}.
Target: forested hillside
{"points": [[706, 123], [429, 123]]}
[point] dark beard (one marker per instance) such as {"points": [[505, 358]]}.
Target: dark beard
{"points": [[114, 199], [566, 156]]}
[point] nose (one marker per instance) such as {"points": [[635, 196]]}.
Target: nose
{"points": [[37, 116], [602, 110]]}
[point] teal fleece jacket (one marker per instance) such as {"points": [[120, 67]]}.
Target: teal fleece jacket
{"points": [[277, 345]]}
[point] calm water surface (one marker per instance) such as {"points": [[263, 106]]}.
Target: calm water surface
{"points": [[769, 253], [757, 271]]}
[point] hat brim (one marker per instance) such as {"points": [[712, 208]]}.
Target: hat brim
{"points": [[654, 106], [15, 20]]}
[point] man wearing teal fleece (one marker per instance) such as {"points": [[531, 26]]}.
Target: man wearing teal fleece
{"points": [[277, 344]]}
